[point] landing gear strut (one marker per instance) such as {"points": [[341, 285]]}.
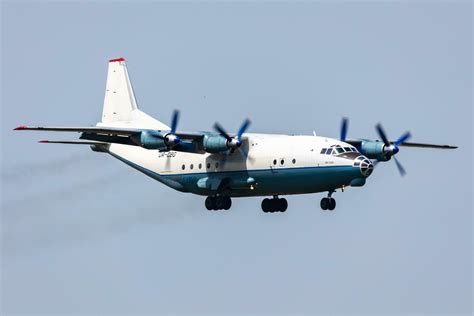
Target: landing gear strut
{"points": [[218, 203], [328, 203], [274, 205]]}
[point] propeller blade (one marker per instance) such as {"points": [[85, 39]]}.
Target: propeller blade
{"points": [[400, 167], [382, 134], [243, 128], [344, 125], [222, 131], [402, 139], [174, 121]]}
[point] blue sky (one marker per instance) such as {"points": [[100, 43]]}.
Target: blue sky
{"points": [[82, 233]]}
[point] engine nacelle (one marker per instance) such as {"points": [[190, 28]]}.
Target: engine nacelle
{"points": [[374, 150], [214, 144], [152, 140]]}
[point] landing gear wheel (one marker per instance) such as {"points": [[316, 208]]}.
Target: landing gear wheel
{"points": [[227, 202], [266, 205], [283, 205], [219, 203], [210, 203], [274, 205], [332, 204], [324, 203]]}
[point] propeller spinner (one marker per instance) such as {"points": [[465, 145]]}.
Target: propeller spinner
{"points": [[233, 142]]}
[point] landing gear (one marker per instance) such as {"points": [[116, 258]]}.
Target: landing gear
{"points": [[328, 203], [274, 205], [218, 203]]}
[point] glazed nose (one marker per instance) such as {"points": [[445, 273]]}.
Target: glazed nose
{"points": [[365, 165]]}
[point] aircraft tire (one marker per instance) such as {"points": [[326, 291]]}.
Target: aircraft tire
{"points": [[332, 204], [266, 205], [324, 203], [282, 205], [227, 202], [210, 203]]}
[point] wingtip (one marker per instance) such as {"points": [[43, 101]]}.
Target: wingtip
{"points": [[19, 128], [116, 60], [43, 141]]}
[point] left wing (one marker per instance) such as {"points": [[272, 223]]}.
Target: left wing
{"points": [[97, 135]]}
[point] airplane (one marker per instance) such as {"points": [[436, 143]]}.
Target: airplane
{"points": [[219, 165]]}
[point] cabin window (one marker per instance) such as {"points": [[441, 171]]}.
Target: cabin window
{"points": [[183, 167], [208, 165], [200, 166], [217, 165], [274, 161], [191, 166], [282, 162], [293, 161]]}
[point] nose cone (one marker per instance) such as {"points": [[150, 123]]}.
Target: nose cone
{"points": [[365, 165]]}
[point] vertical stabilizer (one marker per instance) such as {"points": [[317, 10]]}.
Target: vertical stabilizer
{"points": [[119, 99], [120, 105]]}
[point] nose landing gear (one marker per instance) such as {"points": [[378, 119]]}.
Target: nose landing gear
{"points": [[218, 203], [328, 203], [274, 205]]}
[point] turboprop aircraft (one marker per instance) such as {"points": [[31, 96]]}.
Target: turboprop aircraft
{"points": [[220, 165]]}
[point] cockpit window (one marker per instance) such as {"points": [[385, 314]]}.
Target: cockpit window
{"points": [[329, 151], [323, 151], [347, 149], [339, 150]]}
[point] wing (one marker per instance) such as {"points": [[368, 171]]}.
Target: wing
{"points": [[422, 145], [97, 135], [94, 129], [357, 143]]}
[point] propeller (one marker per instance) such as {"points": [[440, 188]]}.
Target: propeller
{"points": [[344, 124], [233, 142], [391, 149], [171, 139]]}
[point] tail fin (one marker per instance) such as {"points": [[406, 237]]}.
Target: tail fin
{"points": [[120, 105]]}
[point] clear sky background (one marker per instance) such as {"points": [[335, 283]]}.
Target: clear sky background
{"points": [[82, 233]]}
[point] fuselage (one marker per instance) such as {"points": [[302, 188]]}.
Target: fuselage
{"points": [[265, 165]]}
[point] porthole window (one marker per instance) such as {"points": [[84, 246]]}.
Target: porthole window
{"points": [[183, 167], [282, 162], [274, 161], [200, 165], [293, 161], [217, 165], [208, 165], [191, 166]]}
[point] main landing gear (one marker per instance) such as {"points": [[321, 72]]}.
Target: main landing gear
{"points": [[274, 205], [218, 203], [328, 203]]}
